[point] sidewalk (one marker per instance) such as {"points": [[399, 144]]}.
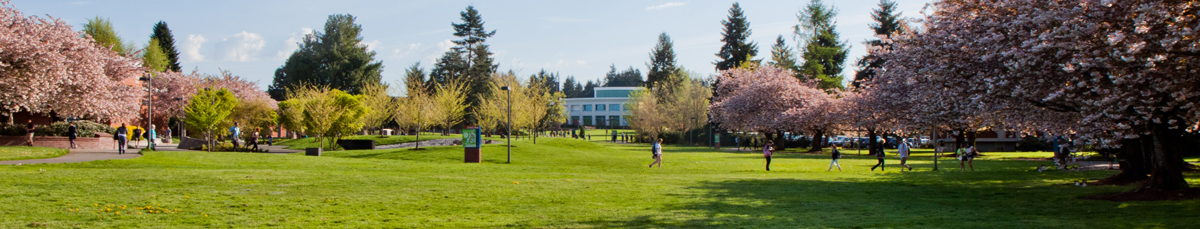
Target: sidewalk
{"points": [[81, 155]]}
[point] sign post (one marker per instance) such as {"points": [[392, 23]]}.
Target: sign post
{"points": [[472, 142], [717, 141]]}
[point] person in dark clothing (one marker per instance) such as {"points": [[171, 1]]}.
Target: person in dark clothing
{"points": [[767, 154], [254, 138], [72, 134], [121, 138], [879, 155], [29, 131], [137, 137], [836, 154]]}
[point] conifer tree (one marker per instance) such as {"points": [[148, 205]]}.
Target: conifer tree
{"points": [[662, 61], [166, 43], [469, 61], [103, 33], [783, 57], [824, 54], [736, 49], [336, 59], [887, 22]]}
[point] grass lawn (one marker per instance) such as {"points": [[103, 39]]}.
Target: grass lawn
{"points": [[301, 143], [9, 153], [558, 183]]}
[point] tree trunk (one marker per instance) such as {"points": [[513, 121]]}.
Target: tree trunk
{"points": [[780, 140], [960, 139], [872, 143], [971, 137], [818, 141], [418, 142], [1133, 166], [1166, 172]]}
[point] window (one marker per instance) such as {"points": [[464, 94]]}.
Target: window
{"points": [[574, 107], [587, 107], [587, 120], [614, 107], [599, 107], [600, 121], [574, 120], [614, 120]]}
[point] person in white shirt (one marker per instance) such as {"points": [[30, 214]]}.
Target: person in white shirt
{"points": [[903, 149], [657, 148]]}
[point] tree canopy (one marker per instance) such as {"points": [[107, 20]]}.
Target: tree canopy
{"points": [[336, 58], [736, 48], [824, 54], [166, 43]]}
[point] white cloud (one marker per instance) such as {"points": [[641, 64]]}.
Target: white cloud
{"points": [[191, 48], [241, 47], [664, 6], [442, 47], [371, 45], [404, 51], [291, 43]]}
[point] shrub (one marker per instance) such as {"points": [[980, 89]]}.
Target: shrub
{"points": [[85, 128]]}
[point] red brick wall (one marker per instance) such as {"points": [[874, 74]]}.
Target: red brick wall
{"points": [[59, 142]]}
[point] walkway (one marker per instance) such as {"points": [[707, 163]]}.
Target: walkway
{"points": [[80, 155]]}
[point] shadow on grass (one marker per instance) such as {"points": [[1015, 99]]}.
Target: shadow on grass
{"points": [[907, 200]]}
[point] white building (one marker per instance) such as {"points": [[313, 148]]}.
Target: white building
{"points": [[606, 107]]}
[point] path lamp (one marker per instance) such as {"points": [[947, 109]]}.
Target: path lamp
{"points": [[509, 135], [149, 101], [692, 136], [182, 132]]}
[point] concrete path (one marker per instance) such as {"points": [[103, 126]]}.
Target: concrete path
{"points": [[81, 155]]}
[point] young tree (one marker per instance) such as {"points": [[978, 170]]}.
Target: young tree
{"points": [[207, 110], [166, 43], [327, 113], [257, 113], [736, 33], [101, 30], [688, 109], [414, 79], [336, 58], [824, 54], [154, 58], [381, 105], [644, 113], [450, 100], [662, 62]]}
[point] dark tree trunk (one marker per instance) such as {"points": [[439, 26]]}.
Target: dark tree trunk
{"points": [[818, 142], [1166, 172], [1133, 166], [872, 143], [960, 139], [780, 141], [971, 137]]}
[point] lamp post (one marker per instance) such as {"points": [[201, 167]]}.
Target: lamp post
{"points": [[509, 129], [182, 132], [149, 102]]}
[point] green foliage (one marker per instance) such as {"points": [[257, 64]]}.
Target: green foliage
{"points": [[166, 43], [154, 58], [887, 22], [414, 79], [253, 114], [571, 88], [662, 61], [824, 54], [469, 61], [627, 78], [736, 48], [291, 115], [84, 127], [782, 56], [336, 59], [549, 81], [328, 114], [208, 109], [103, 33]]}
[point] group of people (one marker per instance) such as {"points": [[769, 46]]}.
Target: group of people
{"points": [[966, 156], [122, 138]]}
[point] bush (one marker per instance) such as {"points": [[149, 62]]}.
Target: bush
{"points": [[1031, 143], [85, 128]]}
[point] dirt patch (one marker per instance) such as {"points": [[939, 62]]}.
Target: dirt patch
{"points": [[1149, 195]]}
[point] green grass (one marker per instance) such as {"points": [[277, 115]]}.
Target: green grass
{"points": [[10, 153], [301, 143], [559, 183]]}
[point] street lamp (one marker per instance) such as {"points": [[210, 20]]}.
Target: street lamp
{"points": [[182, 132], [509, 135], [149, 103]]}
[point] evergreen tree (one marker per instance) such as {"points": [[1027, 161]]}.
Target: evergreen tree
{"points": [[103, 33], [662, 61], [336, 58], [572, 88], [469, 61], [824, 55], [736, 50], [589, 89], [887, 22], [628, 78], [166, 43], [782, 56], [414, 79], [549, 80], [153, 57]]}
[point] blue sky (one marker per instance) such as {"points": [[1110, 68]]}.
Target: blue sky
{"points": [[574, 38]]}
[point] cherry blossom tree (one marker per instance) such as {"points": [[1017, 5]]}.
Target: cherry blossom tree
{"points": [[46, 66], [1116, 73], [768, 100]]}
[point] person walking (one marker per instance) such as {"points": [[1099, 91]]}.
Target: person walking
{"points": [[968, 157], [836, 154], [657, 149], [122, 138], [879, 155], [137, 137], [151, 135], [254, 137], [904, 150], [29, 131], [234, 132], [167, 136], [72, 133], [767, 154]]}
